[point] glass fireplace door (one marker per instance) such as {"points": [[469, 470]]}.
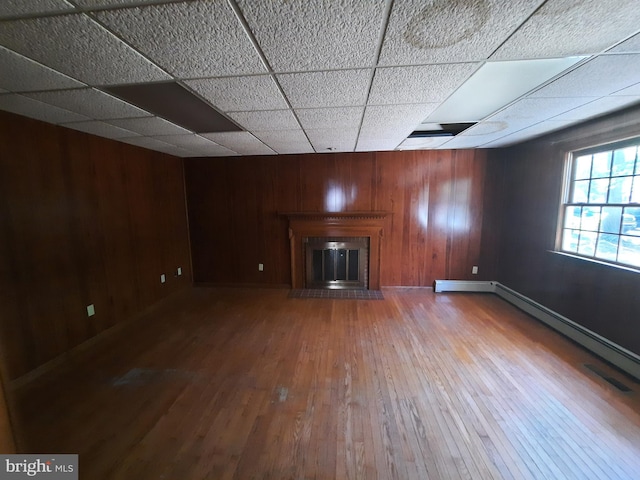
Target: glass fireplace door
{"points": [[336, 264]]}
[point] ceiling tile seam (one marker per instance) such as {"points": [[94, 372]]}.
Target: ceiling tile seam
{"points": [[202, 99], [54, 106], [256, 45], [48, 68], [508, 37], [34, 16], [383, 33], [620, 42], [129, 45], [107, 8]]}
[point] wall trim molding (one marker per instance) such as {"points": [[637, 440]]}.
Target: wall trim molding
{"points": [[613, 353]]}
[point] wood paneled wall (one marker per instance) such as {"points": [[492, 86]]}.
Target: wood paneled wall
{"points": [[602, 298], [435, 200], [85, 220]]}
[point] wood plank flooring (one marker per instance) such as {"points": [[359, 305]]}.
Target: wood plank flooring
{"points": [[247, 383]]}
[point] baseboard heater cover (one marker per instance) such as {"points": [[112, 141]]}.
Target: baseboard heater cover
{"points": [[463, 286], [613, 353]]}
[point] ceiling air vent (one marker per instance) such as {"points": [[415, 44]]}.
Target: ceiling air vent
{"points": [[440, 130]]}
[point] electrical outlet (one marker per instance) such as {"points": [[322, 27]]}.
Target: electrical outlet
{"points": [[261, 267], [163, 278], [474, 270], [91, 310], [179, 271]]}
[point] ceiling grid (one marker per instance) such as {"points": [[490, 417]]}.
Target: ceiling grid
{"points": [[324, 76]]}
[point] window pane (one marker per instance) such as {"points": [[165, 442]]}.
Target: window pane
{"points": [[601, 165], [635, 197], [570, 240], [611, 217], [599, 190], [620, 189], [607, 247], [587, 244], [631, 219], [623, 161], [580, 191], [582, 167], [572, 217], [630, 250], [590, 219]]}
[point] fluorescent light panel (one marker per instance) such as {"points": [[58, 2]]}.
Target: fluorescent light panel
{"points": [[495, 85]]}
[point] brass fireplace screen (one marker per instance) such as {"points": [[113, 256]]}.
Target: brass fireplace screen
{"points": [[337, 262]]}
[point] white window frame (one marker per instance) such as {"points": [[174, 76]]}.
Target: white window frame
{"points": [[586, 226]]}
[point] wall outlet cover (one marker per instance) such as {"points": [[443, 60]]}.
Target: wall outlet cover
{"points": [[91, 310], [163, 278]]}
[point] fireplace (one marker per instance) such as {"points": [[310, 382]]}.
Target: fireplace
{"points": [[335, 249], [336, 262]]}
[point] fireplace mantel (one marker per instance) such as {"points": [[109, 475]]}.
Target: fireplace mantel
{"points": [[303, 225]]}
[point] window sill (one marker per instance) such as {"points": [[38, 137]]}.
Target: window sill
{"points": [[596, 261]]}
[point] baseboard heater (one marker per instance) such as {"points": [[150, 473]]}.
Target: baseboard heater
{"points": [[613, 353]]}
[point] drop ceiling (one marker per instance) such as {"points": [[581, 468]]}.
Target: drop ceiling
{"points": [[301, 76]]}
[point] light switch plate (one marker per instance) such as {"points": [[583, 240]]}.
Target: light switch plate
{"points": [[163, 278], [91, 310]]}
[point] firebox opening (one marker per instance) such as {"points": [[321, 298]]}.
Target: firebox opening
{"points": [[337, 262]]}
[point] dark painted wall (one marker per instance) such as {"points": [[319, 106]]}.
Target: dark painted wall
{"points": [[603, 298]]}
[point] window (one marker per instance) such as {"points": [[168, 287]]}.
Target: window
{"points": [[601, 210]]}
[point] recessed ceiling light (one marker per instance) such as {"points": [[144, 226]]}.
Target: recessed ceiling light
{"points": [[495, 85]]}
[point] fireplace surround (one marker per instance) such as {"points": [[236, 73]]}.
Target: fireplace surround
{"points": [[340, 232]]}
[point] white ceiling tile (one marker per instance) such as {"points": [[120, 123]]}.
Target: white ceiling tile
{"points": [[423, 143], [90, 102], [323, 34], [286, 141], [599, 77], [101, 129], [598, 107], [333, 139], [266, 120], [15, 8], [633, 90], [527, 133], [376, 144], [234, 94], [438, 31], [393, 121], [40, 111], [79, 47], [426, 84], [188, 142], [628, 46], [20, 74], [188, 39], [146, 142], [115, 3], [242, 142], [341, 117], [175, 151], [149, 126], [326, 89], [563, 28], [528, 111], [212, 150]]}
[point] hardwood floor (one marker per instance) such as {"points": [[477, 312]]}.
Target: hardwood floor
{"points": [[247, 383]]}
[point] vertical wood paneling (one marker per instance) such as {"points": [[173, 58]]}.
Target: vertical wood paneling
{"points": [[434, 199], [85, 220]]}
